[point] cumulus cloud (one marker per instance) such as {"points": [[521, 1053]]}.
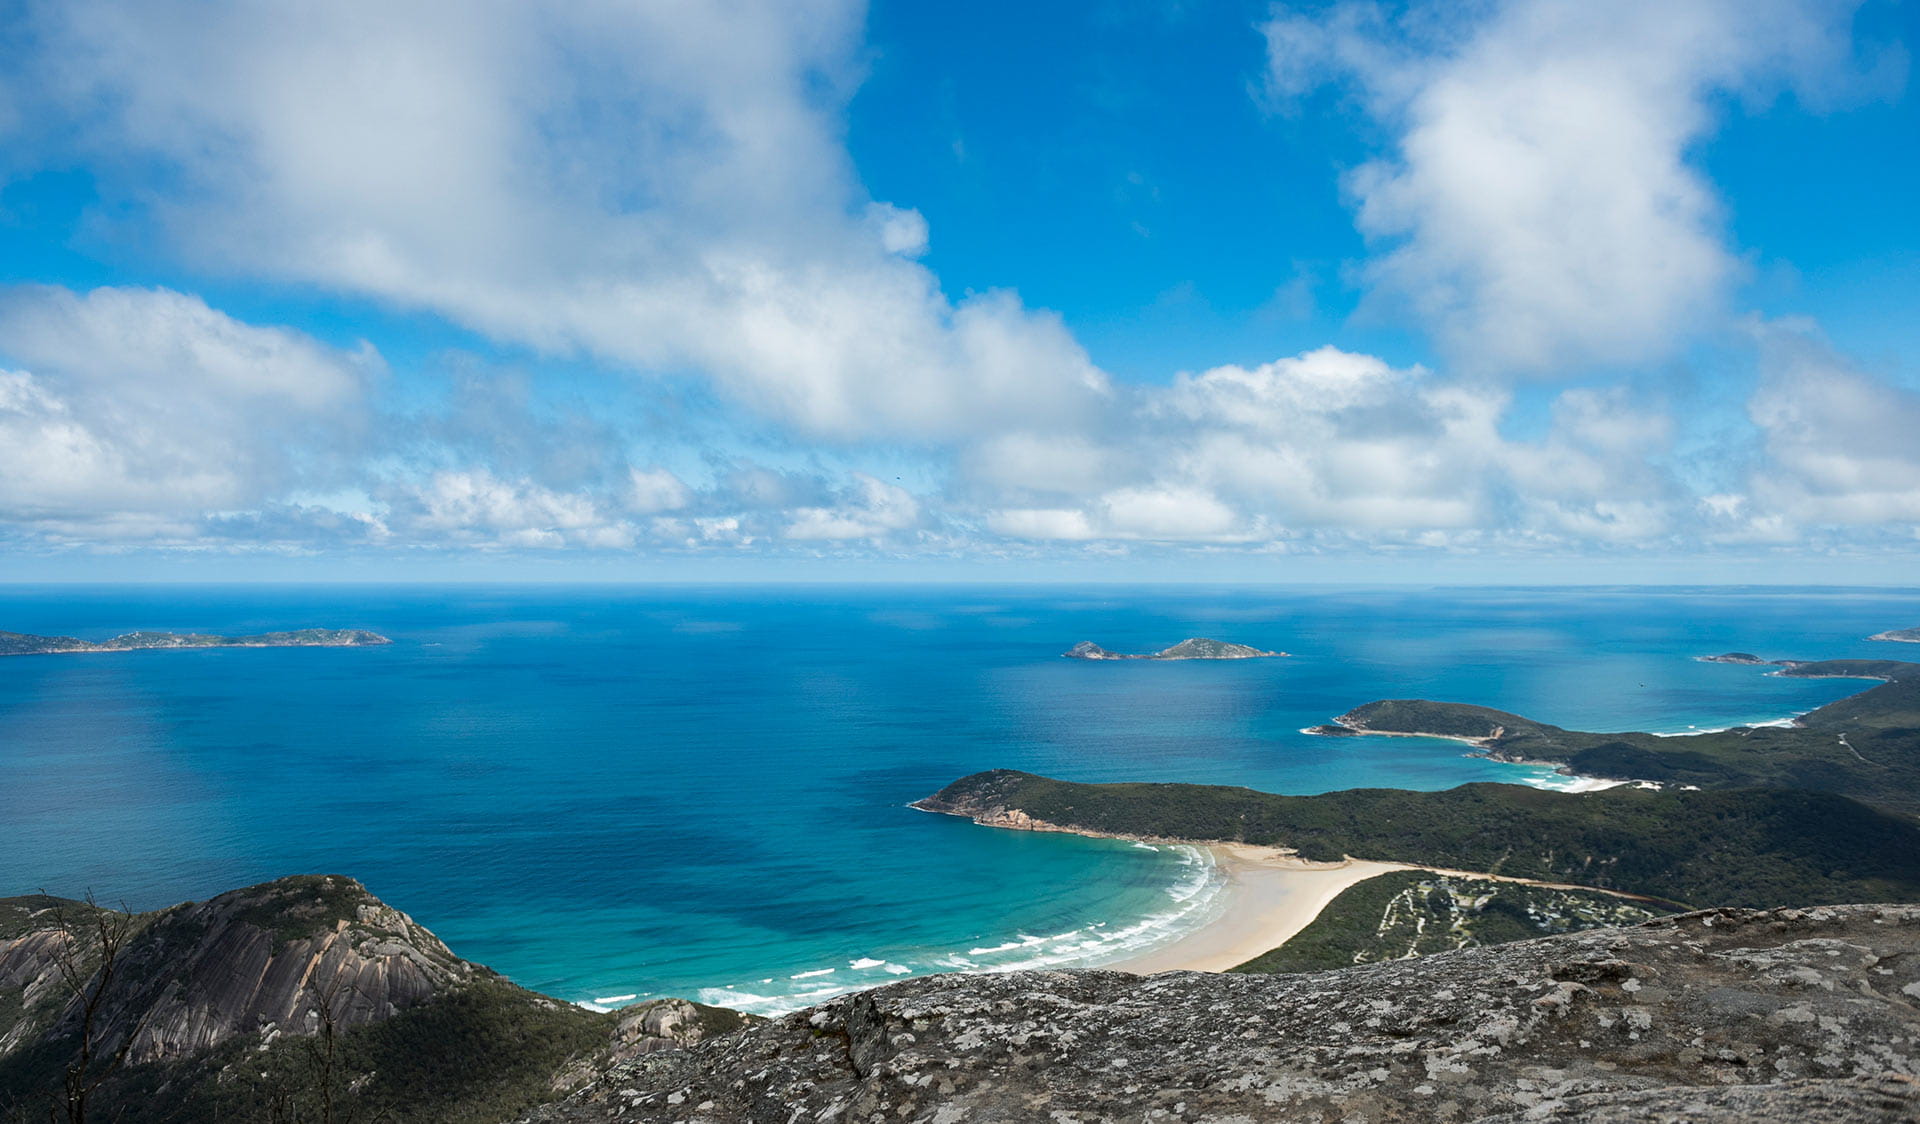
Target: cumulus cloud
{"points": [[1336, 443], [1839, 446], [1541, 211], [660, 186], [874, 510], [149, 401]]}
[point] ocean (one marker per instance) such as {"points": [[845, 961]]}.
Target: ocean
{"points": [[614, 793]]}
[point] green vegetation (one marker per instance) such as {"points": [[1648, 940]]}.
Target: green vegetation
{"points": [[485, 1052], [1416, 913], [1757, 847], [304, 905], [1866, 747]]}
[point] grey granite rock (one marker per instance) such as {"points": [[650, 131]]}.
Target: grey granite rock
{"points": [[1811, 1015], [1890, 1100]]}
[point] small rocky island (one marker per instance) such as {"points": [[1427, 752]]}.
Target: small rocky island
{"points": [[1196, 648], [1746, 658], [1909, 635], [22, 644]]}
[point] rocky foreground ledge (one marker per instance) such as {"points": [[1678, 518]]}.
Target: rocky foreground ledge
{"points": [[1810, 1015]]}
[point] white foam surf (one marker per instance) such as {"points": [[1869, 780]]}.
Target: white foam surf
{"points": [[1193, 899]]}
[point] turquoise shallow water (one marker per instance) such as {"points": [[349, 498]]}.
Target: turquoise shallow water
{"points": [[613, 792]]}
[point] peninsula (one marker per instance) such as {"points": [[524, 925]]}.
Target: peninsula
{"points": [[22, 644], [1196, 648], [1909, 635], [1865, 747]]}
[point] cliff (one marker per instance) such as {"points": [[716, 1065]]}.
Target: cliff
{"points": [[1725, 1015], [22, 644]]}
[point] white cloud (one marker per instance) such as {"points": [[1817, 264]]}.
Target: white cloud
{"points": [[1042, 523], [147, 400], [1541, 211], [476, 507], [877, 509], [1330, 438], [656, 490], [661, 186], [1335, 443], [1841, 448], [1176, 513]]}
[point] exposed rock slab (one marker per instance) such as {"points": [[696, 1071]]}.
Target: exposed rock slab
{"points": [[1796, 1014], [262, 961]]}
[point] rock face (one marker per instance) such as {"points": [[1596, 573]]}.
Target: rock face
{"points": [[219, 1004], [22, 644], [259, 961], [1721, 1015], [1196, 648]]}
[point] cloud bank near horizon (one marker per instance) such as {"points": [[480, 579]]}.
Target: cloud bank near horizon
{"points": [[696, 331]]}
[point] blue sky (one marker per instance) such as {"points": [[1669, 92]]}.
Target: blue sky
{"points": [[825, 291]]}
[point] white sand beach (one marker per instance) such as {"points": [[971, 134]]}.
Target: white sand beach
{"points": [[1270, 896]]}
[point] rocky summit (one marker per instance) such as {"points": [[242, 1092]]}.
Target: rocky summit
{"points": [[1810, 1015], [297, 999]]}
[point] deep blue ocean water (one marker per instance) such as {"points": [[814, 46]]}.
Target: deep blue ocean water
{"points": [[633, 791]]}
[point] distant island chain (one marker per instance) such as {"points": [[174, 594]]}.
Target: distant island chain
{"points": [[23, 644]]}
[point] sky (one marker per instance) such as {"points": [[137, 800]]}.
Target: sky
{"points": [[818, 290]]}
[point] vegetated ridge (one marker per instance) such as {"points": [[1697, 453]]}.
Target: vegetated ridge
{"points": [[22, 644], [1749, 847], [1408, 913], [1195, 648], [1865, 746]]}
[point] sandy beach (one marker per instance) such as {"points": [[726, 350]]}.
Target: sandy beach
{"points": [[1270, 895]]}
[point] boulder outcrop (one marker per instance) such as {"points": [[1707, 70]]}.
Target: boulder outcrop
{"points": [[1810, 1015], [265, 960]]}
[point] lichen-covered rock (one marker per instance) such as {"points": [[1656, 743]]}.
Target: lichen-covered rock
{"points": [[1781, 1014], [1890, 1100]]}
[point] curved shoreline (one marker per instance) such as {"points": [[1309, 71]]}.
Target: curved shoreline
{"points": [[1576, 782], [1198, 899], [1269, 896]]}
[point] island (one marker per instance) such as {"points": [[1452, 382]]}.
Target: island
{"points": [[1195, 648], [22, 644], [1908, 635], [1746, 658]]}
